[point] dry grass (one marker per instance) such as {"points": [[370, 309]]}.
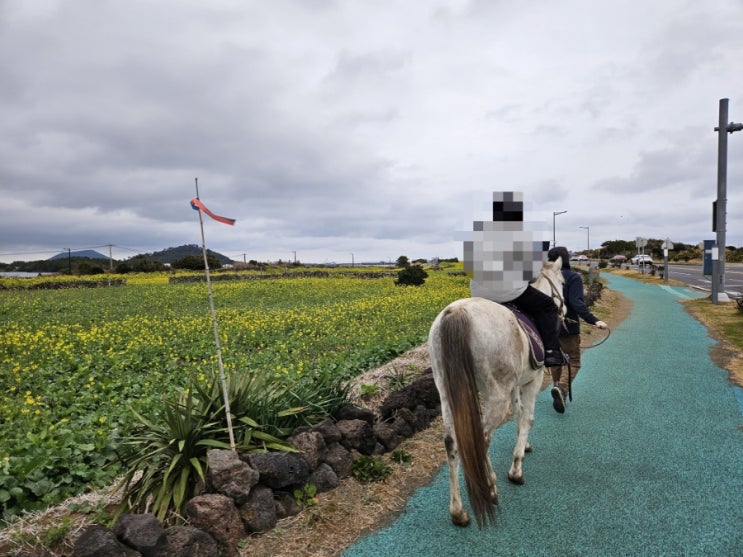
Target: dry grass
{"points": [[57, 527], [725, 324], [643, 277]]}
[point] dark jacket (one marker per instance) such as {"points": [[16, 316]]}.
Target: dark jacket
{"points": [[572, 292]]}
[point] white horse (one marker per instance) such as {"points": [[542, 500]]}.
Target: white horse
{"points": [[480, 354]]}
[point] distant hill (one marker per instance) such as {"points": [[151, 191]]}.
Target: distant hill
{"points": [[89, 253], [170, 255]]}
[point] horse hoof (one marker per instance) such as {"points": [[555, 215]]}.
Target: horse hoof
{"points": [[462, 519], [519, 480], [528, 448]]}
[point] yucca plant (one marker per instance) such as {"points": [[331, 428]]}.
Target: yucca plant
{"points": [[262, 408], [256, 398], [165, 458]]}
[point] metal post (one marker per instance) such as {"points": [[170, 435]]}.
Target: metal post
{"points": [[665, 265], [718, 266], [554, 214], [718, 271]]}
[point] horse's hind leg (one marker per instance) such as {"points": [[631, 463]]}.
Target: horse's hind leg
{"points": [[494, 490], [495, 414], [523, 410], [459, 515]]}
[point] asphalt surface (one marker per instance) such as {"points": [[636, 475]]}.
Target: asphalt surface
{"points": [[647, 459]]}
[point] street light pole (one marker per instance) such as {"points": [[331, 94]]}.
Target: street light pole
{"points": [[554, 214], [720, 206]]}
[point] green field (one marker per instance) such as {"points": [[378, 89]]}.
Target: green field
{"points": [[75, 363]]}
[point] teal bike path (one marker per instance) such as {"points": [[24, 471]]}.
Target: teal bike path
{"points": [[647, 459]]}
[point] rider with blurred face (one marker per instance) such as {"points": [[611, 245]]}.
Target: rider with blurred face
{"points": [[504, 258]]}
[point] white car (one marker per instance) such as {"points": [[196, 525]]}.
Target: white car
{"points": [[642, 259]]}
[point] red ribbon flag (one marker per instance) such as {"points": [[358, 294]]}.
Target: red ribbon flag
{"points": [[197, 205]]}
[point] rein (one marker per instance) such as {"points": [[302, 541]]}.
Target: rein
{"points": [[570, 368], [608, 334]]}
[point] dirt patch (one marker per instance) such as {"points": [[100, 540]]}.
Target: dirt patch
{"points": [[613, 308]]}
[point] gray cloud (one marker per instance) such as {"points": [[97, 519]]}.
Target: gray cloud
{"points": [[373, 128]]}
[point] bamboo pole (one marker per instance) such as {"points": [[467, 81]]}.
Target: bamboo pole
{"points": [[222, 378]]}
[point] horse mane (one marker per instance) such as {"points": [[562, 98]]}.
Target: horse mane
{"points": [[550, 281]]}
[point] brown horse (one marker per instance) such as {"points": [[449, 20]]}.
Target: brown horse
{"points": [[480, 360]]}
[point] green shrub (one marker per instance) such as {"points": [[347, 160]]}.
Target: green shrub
{"points": [[399, 378], [307, 496], [368, 390], [414, 275], [401, 456], [369, 469]]}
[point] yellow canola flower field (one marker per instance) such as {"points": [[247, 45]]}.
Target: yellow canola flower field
{"points": [[75, 362]]}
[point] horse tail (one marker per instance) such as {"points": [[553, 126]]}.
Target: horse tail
{"points": [[464, 402]]}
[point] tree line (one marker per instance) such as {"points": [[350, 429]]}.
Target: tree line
{"points": [[93, 266], [654, 248]]}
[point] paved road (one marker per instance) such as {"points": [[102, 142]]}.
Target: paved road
{"points": [[692, 275], [647, 460]]}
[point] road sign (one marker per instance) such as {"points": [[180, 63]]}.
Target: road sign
{"points": [[641, 242], [668, 244]]}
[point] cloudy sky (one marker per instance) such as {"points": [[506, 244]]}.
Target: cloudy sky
{"points": [[368, 127]]}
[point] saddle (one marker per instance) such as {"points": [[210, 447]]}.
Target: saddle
{"points": [[536, 346]]}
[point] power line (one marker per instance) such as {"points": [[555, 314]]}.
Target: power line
{"points": [[61, 250]]}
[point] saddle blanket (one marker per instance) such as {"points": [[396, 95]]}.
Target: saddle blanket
{"points": [[536, 352]]}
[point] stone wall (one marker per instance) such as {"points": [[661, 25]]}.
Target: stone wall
{"points": [[249, 492]]}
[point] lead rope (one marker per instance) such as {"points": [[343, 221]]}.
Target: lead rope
{"points": [[570, 381], [608, 334], [570, 368]]}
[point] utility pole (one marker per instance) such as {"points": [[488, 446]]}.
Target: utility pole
{"points": [[110, 259], [719, 224]]}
